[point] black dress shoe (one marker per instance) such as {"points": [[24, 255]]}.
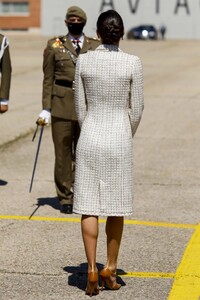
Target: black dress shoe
{"points": [[66, 208]]}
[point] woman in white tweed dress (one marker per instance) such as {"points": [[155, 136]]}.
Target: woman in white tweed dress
{"points": [[109, 105]]}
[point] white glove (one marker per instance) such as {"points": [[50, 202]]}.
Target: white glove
{"points": [[3, 101], [45, 116]]}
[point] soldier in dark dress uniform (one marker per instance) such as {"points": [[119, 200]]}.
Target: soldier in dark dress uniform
{"points": [[5, 70], [59, 63]]}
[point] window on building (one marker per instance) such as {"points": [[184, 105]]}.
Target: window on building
{"points": [[14, 7]]}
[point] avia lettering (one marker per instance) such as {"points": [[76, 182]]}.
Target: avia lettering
{"points": [[134, 6]]}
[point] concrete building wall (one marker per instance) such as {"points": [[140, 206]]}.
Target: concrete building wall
{"points": [[181, 17]]}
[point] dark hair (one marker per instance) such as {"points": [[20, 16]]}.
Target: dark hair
{"points": [[110, 27]]}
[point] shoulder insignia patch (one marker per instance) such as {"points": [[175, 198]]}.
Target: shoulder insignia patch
{"points": [[57, 43]]}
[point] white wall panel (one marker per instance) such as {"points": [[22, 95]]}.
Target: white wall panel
{"points": [[181, 17]]}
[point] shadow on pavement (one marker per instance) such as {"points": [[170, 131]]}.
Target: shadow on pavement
{"points": [[3, 182], [53, 202], [78, 275]]}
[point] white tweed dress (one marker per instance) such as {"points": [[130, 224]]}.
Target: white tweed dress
{"points": [[109, 104]]}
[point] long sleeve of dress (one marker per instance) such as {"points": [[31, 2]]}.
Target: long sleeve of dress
{"points": [[136, 104], [80, 97]]}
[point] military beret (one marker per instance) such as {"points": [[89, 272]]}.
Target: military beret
{"points": [[76, 11]]}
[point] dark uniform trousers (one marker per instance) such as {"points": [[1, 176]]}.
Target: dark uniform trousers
{"points": [[65, 133]]}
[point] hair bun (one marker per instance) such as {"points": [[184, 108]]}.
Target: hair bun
{"points": [[110, 27]]}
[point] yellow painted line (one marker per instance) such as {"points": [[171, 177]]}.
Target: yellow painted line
{"points": [[142, 274], [77, 220], [146, 274], [186, 285], [187, 278], [160, 224], [35, 218]]}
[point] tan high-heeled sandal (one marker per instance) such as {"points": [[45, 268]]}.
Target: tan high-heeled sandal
{"points": [[109, 278], [92, 284]]}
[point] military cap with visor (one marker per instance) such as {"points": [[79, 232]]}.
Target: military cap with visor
{"points": [[77, 12]]}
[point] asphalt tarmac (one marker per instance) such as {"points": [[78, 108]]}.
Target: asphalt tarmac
{"points": [[41, 250]]}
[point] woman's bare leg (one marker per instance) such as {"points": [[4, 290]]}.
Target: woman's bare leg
{"points": [[114, 230], [90, 230]]}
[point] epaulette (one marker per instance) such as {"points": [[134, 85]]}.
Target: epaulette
{"points": [[93, 39], [57, 42], [63, 38]]}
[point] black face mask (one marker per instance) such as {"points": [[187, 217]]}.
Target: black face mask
{"points": [[75, 28]]}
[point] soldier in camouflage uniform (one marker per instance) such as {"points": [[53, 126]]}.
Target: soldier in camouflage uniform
{"points": [[5, 70], [59, 64]]}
